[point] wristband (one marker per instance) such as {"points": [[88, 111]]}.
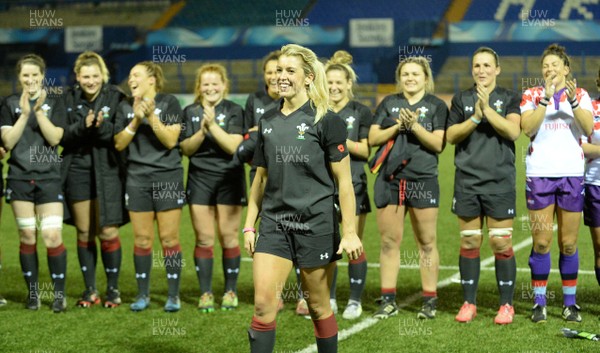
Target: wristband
{"points": [[249, 229], [544, 102], [129, 131], [574, 103], [477, 122]]}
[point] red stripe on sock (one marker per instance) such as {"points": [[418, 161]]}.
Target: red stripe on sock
{"points": [[326, 328], [110, 245], [141, 251], [83, 244], [172, 250], [27, 248], [388, 290], [261, 326], [429, 294], [539, 283], [469, 253], [57, 250], [362, 258], [505, 255], [569, 282], [231, 252], [204, 252]]}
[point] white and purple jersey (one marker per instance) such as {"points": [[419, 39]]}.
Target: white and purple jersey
{"points": [[592, 167], [555, 150]]}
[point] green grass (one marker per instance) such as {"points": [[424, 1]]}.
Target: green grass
{"points": [[119, 330]]}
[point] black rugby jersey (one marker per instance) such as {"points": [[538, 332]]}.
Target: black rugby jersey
{"points": [[358, 120], [257, 104], [484, 160], [300, 186], [148, 159], [32, 157], [210, 157], [422, 162]]}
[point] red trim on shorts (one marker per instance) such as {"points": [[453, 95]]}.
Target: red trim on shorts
{"points": [[110, 245], [326, 328], [27, 248], [505, 255], [261, 326], [203, 252], [388, 290], [429, 294], [362, 258], [539, 283], [57, 251], [231, 253], [569, 282], [469, 253], [141, 251], [172, 251]]}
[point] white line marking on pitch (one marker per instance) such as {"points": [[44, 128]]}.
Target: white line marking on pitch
{"points": [[368, 322]]}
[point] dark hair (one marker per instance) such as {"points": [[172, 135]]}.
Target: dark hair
{"points": [[489, 51], [32, 59], [555, 49], [274, 55], [155, 70]]}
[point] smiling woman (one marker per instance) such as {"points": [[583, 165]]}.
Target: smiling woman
{"points": [[92, 173], [32, 125]]}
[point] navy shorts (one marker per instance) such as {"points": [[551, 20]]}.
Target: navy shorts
{"points": [[498, 206], [155, 197], [291, 242], [213, 189], [37, 191]]}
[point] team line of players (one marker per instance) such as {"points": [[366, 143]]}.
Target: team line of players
{"points": [[121, 161]]}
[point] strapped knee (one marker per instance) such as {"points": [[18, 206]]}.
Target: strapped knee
{"points": [[470, 233], [51, 222], [26, 223], [501, 232]]}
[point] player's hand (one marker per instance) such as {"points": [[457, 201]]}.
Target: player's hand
{"points": [[138, 108], [40, 102], [478, 110], [352, 245], [89, 119], [2, 153], [249, 242], [24, 103], [408, 118], [149, 106], [571, 89], [484, 97], [100, 118], [208, 116], [551, 86]]}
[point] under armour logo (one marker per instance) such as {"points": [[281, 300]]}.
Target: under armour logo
{"points": [[260, 110], [172, 276], [60, 275], [113, 270], [357, 281], [433, 201], [267, 131], [196, 119], [453, 203], [180, 201], [18, 110], [467, 282], [468, 109], [27, 274], [395, 110], [79, 106], [157, 111], [233, 270], [84, 268], [509, 283], [324, 256], [511, 211], [130, 115], [140, 275], [197, 269]]}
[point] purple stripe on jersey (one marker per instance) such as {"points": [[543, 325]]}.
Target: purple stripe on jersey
{"points": [[557, 98]]}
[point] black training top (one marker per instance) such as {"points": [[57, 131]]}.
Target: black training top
{"points": [[32, 158], [257, 104], [484, 160], [210, 157], [433, 115], [358, 120], [148, 159], [300, 187]]}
